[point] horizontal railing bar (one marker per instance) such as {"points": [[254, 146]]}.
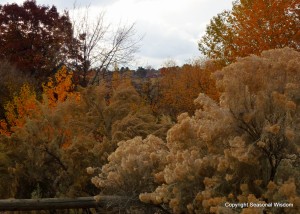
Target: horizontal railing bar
{"points": [[59, 203]]}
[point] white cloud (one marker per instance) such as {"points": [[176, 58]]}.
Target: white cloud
{"points": [[171, 27]]}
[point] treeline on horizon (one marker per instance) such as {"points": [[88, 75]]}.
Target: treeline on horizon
{"points": [[181, 139]]}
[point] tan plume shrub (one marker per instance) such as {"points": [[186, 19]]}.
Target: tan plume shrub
{"points": [[125, 100], [132, 167], [232, 151], [128, 116], [249, 136], [195, 160], [141, 123]]}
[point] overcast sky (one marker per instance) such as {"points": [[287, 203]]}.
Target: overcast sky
{"points": [[171, 28]]}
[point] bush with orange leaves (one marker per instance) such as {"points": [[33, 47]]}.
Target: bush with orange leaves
{"points": [[21, 107], [24, 105], [59, 88], [243, 149], [179, 86]]}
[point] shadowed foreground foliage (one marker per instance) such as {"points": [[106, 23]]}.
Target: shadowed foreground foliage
{"points": [[46, 156]]}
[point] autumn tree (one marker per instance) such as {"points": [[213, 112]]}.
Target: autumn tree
{"points": [[17, 111], [60, 87], [10, 83], [179, 86], [37, 39], [243, 148], [251, 27], [24, 104]]}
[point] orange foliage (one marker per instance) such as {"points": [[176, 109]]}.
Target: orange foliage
{"points": [[59, 88], [251, 27], [274, 22], [3, 128], [180, 86], [22, 106]]}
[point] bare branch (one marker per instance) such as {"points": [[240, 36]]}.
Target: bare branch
{"points": [[101, 46]]}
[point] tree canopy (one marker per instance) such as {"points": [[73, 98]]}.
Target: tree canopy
{"points": [[251, 27], [36, 39]]}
